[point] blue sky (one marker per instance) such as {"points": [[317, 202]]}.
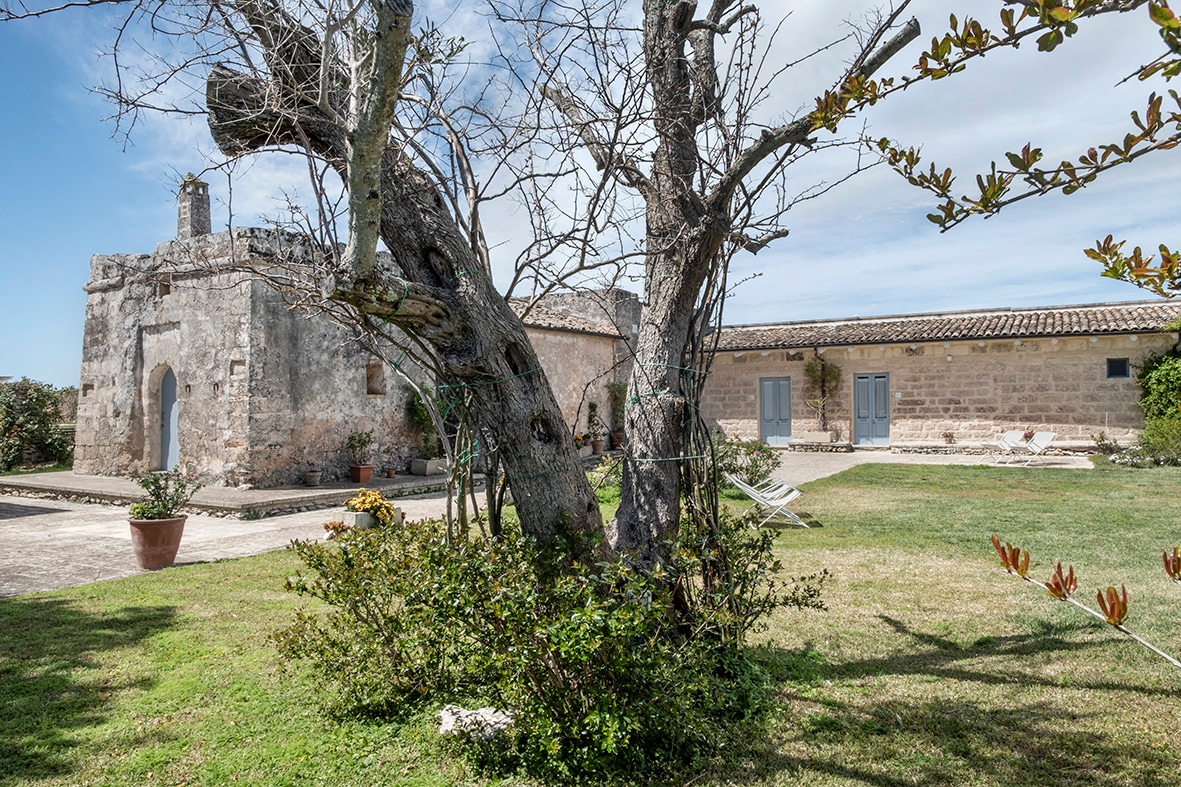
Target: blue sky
{"points": [[73, 187]]}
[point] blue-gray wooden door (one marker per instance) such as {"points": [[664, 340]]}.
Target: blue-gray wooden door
{"points": [[169, 422], [775, 410], [871, 408]]}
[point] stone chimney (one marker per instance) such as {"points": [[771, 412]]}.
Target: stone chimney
{"points": [[193, 215]]}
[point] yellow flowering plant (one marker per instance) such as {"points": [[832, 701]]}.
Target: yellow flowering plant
{"points": [[371, 502]]}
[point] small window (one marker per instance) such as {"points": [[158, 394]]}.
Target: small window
{"points": [[87, 389], [166, 284], [1118, 367], [375, 379]]}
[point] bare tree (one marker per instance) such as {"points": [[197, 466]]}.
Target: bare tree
{"points": [[638, 135]]}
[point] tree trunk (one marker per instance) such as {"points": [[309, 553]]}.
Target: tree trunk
{"points": [[682, 239], [440, 294]]}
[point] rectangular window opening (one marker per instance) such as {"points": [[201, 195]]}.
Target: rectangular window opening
{"points": [[165, 284], [375, 379], [1118, 367]]}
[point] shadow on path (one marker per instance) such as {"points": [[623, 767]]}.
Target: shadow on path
{"points": [[16, 510]]}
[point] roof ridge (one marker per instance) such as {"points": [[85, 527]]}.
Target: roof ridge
{"points": [[856, 318], [1107, 318]]}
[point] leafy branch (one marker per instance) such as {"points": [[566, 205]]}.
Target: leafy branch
{"points": [[1157, 128]]}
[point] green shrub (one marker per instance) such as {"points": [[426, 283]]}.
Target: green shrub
{"points": [[165, 494], [1160, 386], [607, 672], [753, 461], [1160, 444], [30, 413]]}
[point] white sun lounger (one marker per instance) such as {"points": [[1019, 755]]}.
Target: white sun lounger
{"points": [[1034, 448], [1004, 446], [771, 504]]}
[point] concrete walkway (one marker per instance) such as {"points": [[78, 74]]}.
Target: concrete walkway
{"points": [[800, 467], [63, 542], [55, 543]]}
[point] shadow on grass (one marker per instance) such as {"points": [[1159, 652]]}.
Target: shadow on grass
{"points": [[942, 657], [948, 729], [52, 682], [938, 742]]}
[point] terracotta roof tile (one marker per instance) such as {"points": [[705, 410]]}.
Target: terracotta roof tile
{"points": [[1096, 319]]}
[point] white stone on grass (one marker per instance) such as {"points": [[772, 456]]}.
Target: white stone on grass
{"points": [[483, 723]]}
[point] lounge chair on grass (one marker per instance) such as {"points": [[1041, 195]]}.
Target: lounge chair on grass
{"points": [[1036, 445], [772, 503]]}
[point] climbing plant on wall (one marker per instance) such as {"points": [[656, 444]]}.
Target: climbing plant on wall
{"points": [[823, 380]]}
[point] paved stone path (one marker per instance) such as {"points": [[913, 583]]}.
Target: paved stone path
{"points": [[47, 544]]}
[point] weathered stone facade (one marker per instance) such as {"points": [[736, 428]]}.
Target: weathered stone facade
{"points": [[584, 341], [263, 391], [966, 386]]}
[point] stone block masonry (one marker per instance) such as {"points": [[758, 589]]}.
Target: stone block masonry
{"points": [[971, 390]]}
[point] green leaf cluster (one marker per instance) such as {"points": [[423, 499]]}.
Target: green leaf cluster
{"points": [[30, 414], [753, 461], [1160, 386], [165, 495], [607, 671]]}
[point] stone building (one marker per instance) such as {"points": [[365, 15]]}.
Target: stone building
{"points": [[192, 360], [584, 341], [935, 378]]}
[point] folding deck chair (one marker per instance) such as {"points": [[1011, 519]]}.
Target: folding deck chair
{"points": [[1004, 446], [1036, 445], [771, 499]]}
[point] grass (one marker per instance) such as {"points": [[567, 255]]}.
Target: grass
{"points": [[54, 468], [931, 666]]}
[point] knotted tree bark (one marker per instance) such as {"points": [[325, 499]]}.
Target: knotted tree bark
{"points": [[436, 290]]}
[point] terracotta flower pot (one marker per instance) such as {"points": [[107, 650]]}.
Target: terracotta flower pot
{"points": [[156, 541], [597, 445], [390, 472], [361, 474], [312, 477]]}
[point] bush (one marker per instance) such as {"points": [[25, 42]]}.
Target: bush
{"points": [[753, 461], [30, 413], [607, 672], [1160, 444], [1160, 386]]}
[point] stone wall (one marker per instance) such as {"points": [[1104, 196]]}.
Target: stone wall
{"points": [[579, 366], [612, 307], [264, 391], [973, 389]]}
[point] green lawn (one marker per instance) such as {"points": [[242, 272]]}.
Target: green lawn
{"points": [[931, 667]]}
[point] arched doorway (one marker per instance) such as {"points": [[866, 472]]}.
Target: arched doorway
{"points": [[169, 444]]}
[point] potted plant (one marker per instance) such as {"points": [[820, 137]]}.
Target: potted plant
{"points": [[312, 477], [616, 399], [370, 509], [430, 463], [357, 445], [156, 522], [595, 428]]}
